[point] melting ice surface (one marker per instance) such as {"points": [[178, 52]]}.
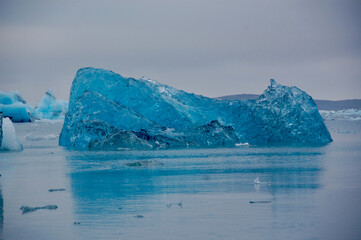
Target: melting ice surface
{"points": [[315, 192], [108, 111]]}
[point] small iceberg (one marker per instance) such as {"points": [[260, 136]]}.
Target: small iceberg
{"points": [[51, 108], [246, 144], [8, 139], [13, 105], [258, 182]]}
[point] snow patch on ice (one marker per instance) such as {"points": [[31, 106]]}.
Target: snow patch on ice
{"points": [[149, 80], [242, 144], [9, 139]]}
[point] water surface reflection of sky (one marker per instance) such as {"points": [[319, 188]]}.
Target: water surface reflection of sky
{"points": [[314, 193]]}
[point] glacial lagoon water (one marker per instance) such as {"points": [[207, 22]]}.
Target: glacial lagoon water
{"points": [[304, 193]]}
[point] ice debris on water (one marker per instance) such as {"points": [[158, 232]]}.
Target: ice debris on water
{"points": [[108, 111], [56, 189], [26, 209], [144, 163], [13, 105], [51, 108], [8, 139], [266, 201], [139, 216], [180, 204], [258, 182]]}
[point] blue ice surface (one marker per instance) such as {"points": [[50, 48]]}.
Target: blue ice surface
{"points": [[1, 128], [107, 110], [51, 108], [13, 105]]}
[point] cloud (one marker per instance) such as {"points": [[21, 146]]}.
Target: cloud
{"points": [[208, 47]]}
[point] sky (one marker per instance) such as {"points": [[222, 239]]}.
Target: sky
{"points": [[208, 47]]}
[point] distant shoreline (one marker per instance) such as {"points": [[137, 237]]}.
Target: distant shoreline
{"points": [[322, 104]]}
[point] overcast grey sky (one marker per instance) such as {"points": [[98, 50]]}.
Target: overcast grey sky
{"points": [[209, 47]]}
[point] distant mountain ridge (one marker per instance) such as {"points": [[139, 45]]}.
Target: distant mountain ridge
{"points": [[322, 104]]}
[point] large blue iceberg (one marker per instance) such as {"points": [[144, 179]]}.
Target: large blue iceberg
{"points": [[108, 111]]}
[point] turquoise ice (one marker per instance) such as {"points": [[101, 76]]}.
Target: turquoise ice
{"points": [[107, 110], [51, 108], [13, 105]]}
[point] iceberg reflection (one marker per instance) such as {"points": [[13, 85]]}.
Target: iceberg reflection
{"points": [[110, 185]]}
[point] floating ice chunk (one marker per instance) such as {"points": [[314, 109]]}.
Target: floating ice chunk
{"points": [[26, 209], [13, 105], [9, 140], [258, 182], [242, 144], [179, 204], [144, 163], [51, 108], [56, 189], [282, 115], [265, 201]]}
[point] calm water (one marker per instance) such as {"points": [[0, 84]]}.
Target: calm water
{"points": [[313, 193]]}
